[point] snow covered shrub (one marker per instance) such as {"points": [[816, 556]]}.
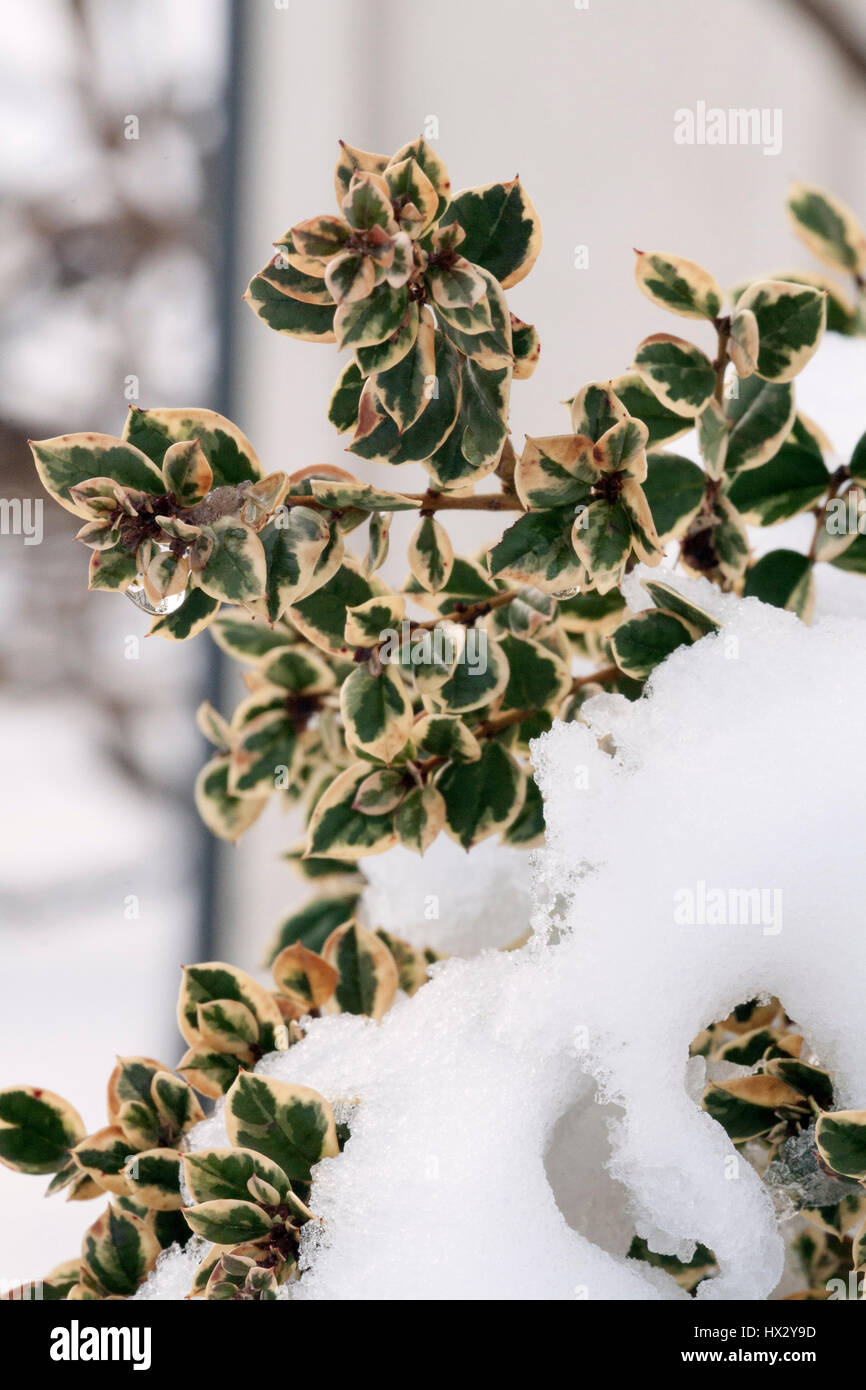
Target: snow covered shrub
{"points": [[392, 729]]}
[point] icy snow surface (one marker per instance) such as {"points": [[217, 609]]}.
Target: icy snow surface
{"points": [[444, 900], [526, 1112]]}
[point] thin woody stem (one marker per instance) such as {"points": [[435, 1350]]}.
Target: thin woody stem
{"points": [[426, 502], [517, 716], [467, 613], [723, 329], [498, 722]]}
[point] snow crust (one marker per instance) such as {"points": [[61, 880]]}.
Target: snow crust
{"points": [[444, 899], [517, 1121]]}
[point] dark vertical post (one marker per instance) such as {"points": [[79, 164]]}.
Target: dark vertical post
{"points": [[221, 206]]}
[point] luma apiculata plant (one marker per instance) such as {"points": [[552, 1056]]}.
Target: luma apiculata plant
{"points": [[389, 744]]}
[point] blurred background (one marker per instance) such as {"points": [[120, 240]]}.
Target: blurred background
{"points": [[150, 152]]}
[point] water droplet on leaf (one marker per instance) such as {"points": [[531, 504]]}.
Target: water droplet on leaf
{"points": [[157, 610]]}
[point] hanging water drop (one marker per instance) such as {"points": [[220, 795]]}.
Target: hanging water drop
{"points": [[170, 604]]}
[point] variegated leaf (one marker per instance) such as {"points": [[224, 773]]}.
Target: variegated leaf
{"points": [[554, 471], [37, 1129], [526, 346], [538, 550], [377, 713], [712, 430], [103, 1156], [118, 1252], [643, 642], [365, 969], [378, 541], [381, 792], [369, 321], [64, 462], [446, 736], [219, 1175], [229, 453], [211, 1073], [350, 277], [413, 196], [339, 832], [215, 980], [320, 238], [621, 449], [302, 553], [455, 284], [367, 623], [153, 1178], [431, 166], [237, 570], [420, 818], [502, 227], [595, 409], [267, 748], [747, 1107], [187, 473], [678, 284], [760, 417], [285, 272], [481, 798], [366, 205], [841, 1139], [678, 372], [793, 481], [635, 397], [790, 323], [785, 579], [378, 357], [602, 538], [674, 489], [311, 323], [352, 161], [228, 1222], [193, 616], [744, 342], [697, 620], [431, 555], [828, 227], [321, 617], [473, 684], [226, 816], [225, 1025], [112, 570], [404, 390], [176, 1104], [292, 1125], [484, 332], [304, 976]]}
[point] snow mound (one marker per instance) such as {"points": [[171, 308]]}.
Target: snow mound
{"points": [[443, 899], [517, 1121]]}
